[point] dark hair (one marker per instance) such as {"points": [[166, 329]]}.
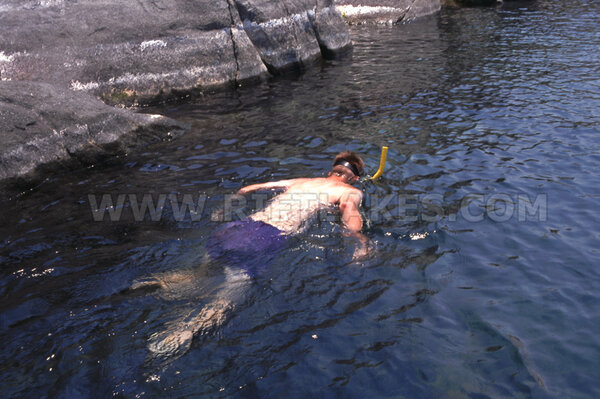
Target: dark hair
{"points": [[351, 158]]}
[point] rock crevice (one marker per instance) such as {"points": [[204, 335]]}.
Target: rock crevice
{"points": [[235, 50]]}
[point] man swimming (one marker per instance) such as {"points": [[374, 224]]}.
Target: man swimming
{"points": [[263, 233], [246, 243]]}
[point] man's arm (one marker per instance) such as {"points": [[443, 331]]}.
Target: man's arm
{"points": [[273, 184], [349, 204]]}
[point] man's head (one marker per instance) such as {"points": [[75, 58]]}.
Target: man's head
{"points": [[348, 165]]}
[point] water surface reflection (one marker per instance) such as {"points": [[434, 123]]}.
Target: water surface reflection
{"points": [[475, 104]]}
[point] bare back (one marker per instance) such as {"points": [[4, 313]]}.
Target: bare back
{"points": [[301, 201]]}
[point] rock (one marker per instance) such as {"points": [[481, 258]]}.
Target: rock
{"points": [[386, 11], [289, 33], [148, 50], [420, 9], [330, 28], [43, 124], [126, 53], [281, 32], [57, 55]]}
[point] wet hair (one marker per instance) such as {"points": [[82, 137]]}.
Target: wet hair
{"points": [[353, 159]]}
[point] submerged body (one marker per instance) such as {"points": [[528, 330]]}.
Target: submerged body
{"points": [[251, 243]]}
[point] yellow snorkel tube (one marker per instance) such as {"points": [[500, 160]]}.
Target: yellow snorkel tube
{"points": [[379, 172]]}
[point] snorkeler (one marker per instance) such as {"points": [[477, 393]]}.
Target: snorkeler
{"points": [[249, 244], [264, 232]]}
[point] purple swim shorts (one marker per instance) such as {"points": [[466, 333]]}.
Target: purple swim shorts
{"points": [[246, 243]]}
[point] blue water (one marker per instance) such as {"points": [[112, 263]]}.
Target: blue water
{"points": [[484, 280]]}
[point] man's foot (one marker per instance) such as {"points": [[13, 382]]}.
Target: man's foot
{"points": [[146, 285], [172, 344], [177, 341]]}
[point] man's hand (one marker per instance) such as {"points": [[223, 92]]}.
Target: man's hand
{"points": [[363, 248], [243, 190], [361, 252]]}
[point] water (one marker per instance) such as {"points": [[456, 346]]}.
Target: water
{"points": [[491, 116]]}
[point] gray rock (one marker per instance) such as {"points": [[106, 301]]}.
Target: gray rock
{"points": [[125, 52], [330, 28], [56, 55], [420, 9], [139, 52], [289, 33], [43, 124], [386, 11], [281, 31]]}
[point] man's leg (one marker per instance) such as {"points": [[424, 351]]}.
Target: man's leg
{"points": [[177, 338]]}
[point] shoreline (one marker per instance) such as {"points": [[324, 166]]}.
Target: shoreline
{"points": [[70, 88]]}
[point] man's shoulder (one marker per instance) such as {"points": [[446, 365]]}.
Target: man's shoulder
{"points": [[349, 193], [305, 180], [309, 180], [349, 190]]}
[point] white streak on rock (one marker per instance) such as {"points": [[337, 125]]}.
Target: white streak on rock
{"points": [[78, 86], [5, 67], [351, 11], [6, 58], [207, 73], [50, 3], [277, 22], [152, 43]]}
